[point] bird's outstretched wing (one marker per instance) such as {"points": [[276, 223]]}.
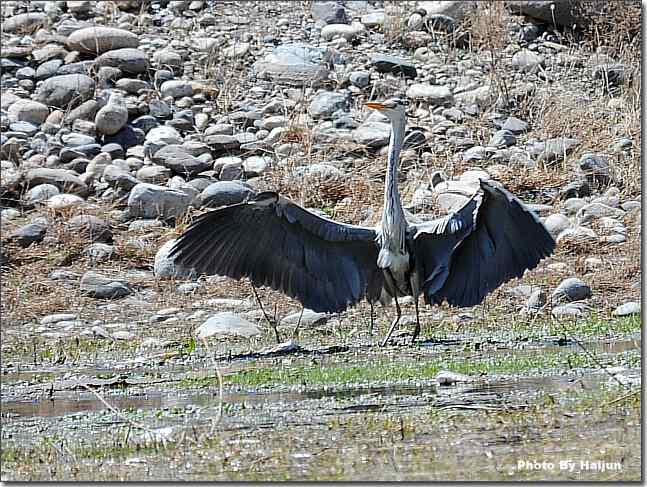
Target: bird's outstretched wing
{"points": [[326, 265], [464, 256]]}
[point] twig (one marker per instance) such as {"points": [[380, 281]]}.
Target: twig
{"points": [[271, 322], [622, 398], [296, 328], [132, 423], [589, 354]]}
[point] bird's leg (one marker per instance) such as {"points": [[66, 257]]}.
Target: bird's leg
{"points": [[416, 330], [395, 321], [370, 326], [270, 322]]}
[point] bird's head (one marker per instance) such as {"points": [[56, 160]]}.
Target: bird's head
{"points": [[394, 108]]}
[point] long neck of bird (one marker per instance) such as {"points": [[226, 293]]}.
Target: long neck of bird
{"points": [[393, 221]]}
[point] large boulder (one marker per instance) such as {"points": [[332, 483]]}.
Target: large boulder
{"points": [[99, 39], [295, 64], [553, 12], [28, 111], [63, 179], [152, 201]]}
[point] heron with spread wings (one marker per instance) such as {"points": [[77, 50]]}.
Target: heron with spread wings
{"points": [[329, 266]]}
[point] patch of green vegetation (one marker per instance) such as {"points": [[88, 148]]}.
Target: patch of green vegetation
{"points": [[594, 326], [514, 362]]}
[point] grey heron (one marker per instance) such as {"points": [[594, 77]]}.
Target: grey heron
{"points": [[329, 266]]}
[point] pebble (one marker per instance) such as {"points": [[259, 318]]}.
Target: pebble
{"points": [[627, 309], [98, 286], [111, 118], [572, 289], [227, 324], [307, 318], [165, 267], [432, 94]]}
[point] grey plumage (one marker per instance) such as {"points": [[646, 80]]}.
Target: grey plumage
{"points": [[329, 266]]}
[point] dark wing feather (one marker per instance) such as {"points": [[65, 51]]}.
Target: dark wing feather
{"points": [[326, 265], [490, 240]]}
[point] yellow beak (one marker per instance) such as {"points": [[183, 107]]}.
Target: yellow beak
{"points": [[375, 105]]}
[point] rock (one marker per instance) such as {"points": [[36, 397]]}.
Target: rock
{"points": [[577, 235], [28, 234], [227, 324], [63, 179], [28, 111], [452, 8], [99, 39], [41, 193], [85, 111], [627, 309], [515, 125], [224, 193], [372, 134], [99, 252], [187, 287], [123, 335], [593, 211], [572, 289], [111, 118], [176, 158], [558, 12], [64, 201], [348, 32], [594, 168], [306, 318], [133, 86], [326, 103], [176, 88], [128, 60], [536, 300], [449, 378], [433, 94], [238, 50], [295, 64], [57, 318], [374, 19], [65, 91], [527, 61], [570, 310], [153, 174], [394, 65], [482, 97], [328, 13], [502, 138], [152, 201], [256, 165], [25, 23], [101, 287], [555, 149], [164, 266], [556, 224], [92, 227], [158, 137], [360, 79], [318, 172]]}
